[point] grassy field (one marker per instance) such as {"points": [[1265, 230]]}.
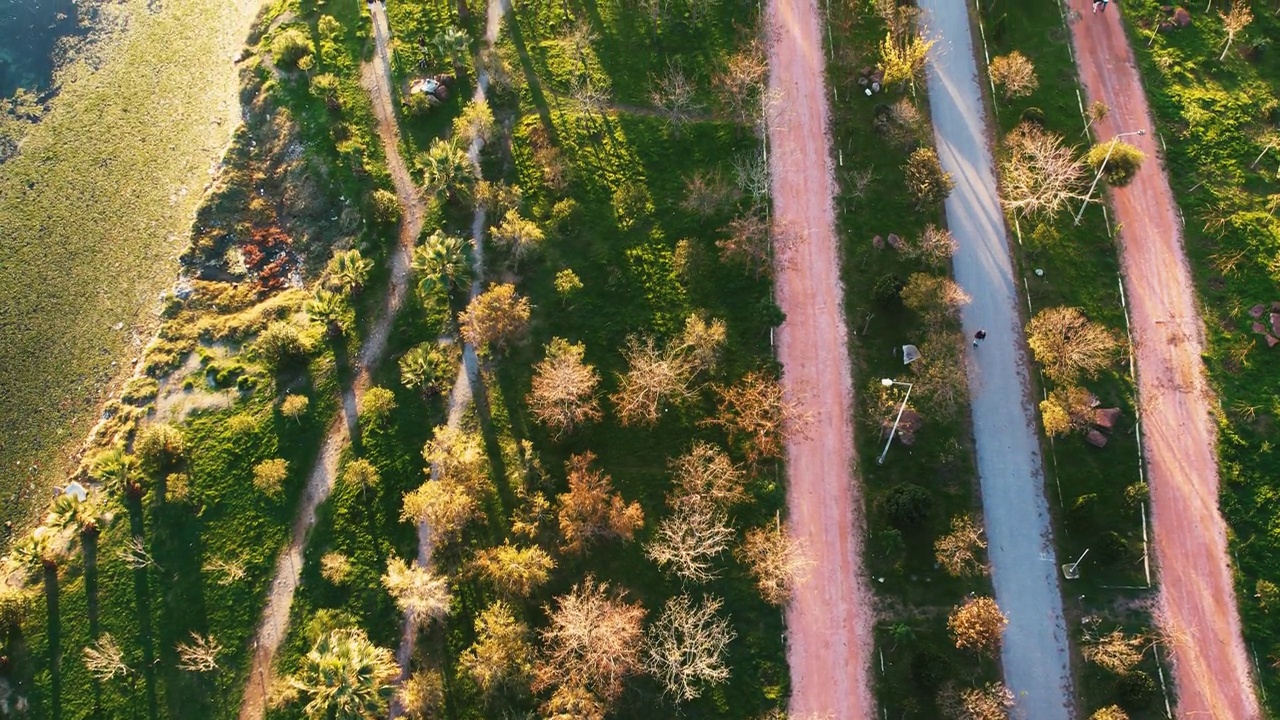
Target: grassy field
{"points": [[93, 214], [1216, 119], [1090, 487], [914, 592]]}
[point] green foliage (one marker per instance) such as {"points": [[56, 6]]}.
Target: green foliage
{"points": [[281, 346], [160, 448], [1122, 164], [908, 505], [348, 271], [386, 207], [928, 183], [428, 368], [291, 45]]}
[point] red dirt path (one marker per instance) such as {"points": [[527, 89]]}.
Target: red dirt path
{"points": [[829, 622], [1197, 600]]}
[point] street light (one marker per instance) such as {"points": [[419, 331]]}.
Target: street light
{"points": [[887, 382], [1103, 167]]}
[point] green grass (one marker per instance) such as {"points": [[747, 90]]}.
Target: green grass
{"points": [[1080, 263], [1211, 114], [92, 213], [913, 633]]}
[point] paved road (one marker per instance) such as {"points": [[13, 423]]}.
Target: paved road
{"points": [[1197, 598], [829, 621], [1024, 568]]}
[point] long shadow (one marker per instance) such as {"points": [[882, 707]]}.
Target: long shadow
{"points": [[179, 549], [531, 75], [89, 542], [492, 448], [55, 636], [142, 593]]}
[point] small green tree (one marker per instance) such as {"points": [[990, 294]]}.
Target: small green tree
{"points": [[377, 404], [446, 169], [1122, 164], [280, 345], [567, 284], [331, 310], [269, 476], [295, 406], [441, 263], [160, 447], [386, 206], [928, 182], [521, 236], [427, 368], [474, 123], [362, 474], [290, 46], [348, 270], [908, 505]]}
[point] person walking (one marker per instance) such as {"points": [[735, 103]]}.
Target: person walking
{"points": [[979, 337], [1100, 4]]}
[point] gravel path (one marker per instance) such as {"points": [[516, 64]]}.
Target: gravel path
{"points": [[830, 620], [1198, 613], [1019, 535], [275, 617]]}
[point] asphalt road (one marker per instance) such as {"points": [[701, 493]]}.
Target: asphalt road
{"points": [[1024, 567]]}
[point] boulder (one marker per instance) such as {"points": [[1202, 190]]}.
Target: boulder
{"points": [[895, 242], [1259, 328], [877, 242], [1106, 418], [1181, 17], [1275, 323], [1271, 340], [1095, 438], [1256, 311]]}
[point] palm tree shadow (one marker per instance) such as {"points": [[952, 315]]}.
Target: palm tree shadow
{"points": [[55, 635], [142, 594], [179, 552], [531, 76]]}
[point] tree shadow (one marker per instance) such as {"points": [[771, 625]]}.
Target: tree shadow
{"points": [[89, 542], [178, 548], [55, 636], [492, 447], [531, 76], [142, 594]]}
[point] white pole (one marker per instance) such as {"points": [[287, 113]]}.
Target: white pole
{"points": [[1102, 168], [894, 430]]}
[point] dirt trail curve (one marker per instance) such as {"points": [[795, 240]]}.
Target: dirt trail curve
{"points": [[1197, 599], [1024, 569], [275, 617], [830, 620]]}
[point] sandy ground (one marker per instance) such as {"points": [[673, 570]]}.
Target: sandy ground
{"points": [[1197, 599], [275, 617], [1024, 570], [830, 620]]}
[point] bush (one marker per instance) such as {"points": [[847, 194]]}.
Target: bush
{"points": [[159, 448], [929, 669], [1033, 115], [269, 476], [1136, 690], [1121, 166], [280, 346], [928, 182], [386, 207], [377, 404], [1015, 74], [888, 287], [290, 46], [908, 505]]}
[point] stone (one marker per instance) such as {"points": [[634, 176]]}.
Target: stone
{"points": [[1271, 340], [1256, 311], [1259, 328], [877, 242], [1275, 323], [1181, 17], [1095, 438], [894, 241], [1106, 417]]}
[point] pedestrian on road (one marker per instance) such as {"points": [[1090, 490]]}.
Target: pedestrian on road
{"points": [[1100, 4], [979, 337]]}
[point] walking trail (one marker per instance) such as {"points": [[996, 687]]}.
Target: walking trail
{"points": [[1024, 569], [1197, 599], [275, 616], [830, 619]]}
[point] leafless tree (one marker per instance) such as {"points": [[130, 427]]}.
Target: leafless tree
{"points": [[1068, 344], [134, 554], [656, 378], [335, 568], [706, 471], [1015, 73], [934, 297], [594, 639], [591, 510], [1097, 111], [978, 624], [957, 551], [754, 413], [1233, 21], [200, 655], [420, 594], [991, 702], [688, 541], [901, 123], [231, 571], [702, 340], [592, 98], [707, 193], [564, 388], [752, 174], [685, 648], [1116, 651], [749, 242], [445, 506], [675, 95], [579, 38], [1038, 174], [777, 560], [741, 81], [421, 695], [934, 246], [573, 701], [105, 660]]}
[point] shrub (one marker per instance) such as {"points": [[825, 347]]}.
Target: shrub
{"points": [[1136, 690], [269, 476], [386, 207], [280, 346], [377, 404], [887, 287], [928, 182], [1121, 166], [1112, 712], [1015, 74], [294, 406], [290, 46], [908, 505], [978, 625], [159, 448], [335, 568]]}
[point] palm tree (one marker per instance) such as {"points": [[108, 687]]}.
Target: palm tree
{"points": [[86, 516], [346, 677], [119, 471], [426, 368], [441, 260], [348, 271], [452, 43], [331, 309], [446, 169]]}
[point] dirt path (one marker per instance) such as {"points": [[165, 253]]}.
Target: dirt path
{"points": [[275, 617], [830, 620], [1024, 570], [1197, 599]]}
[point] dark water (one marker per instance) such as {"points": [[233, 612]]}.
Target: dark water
{"points": [[29, 32]]}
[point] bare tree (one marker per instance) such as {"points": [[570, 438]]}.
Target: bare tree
{"points": [[675, 95], [1233, 21], [901, 123], [564, 388], [741, 81], [200, 655], [1066, 410], [707, 193], [591, 98], [1067, 344], [594, 639], [934, 246], [706, 471], [134, 554], [934, 297], [458, 455], [420, 594], [702, 341], [591, 510], [940, 377], [655, 379], [579, 38], [777, 560], [335, 568], [991, 702], [495, 317], [752, 175], [1116, 651], [1015, 73], [957, 551], [749, 242], [105, 660], [445, 506], [753, 413], [1038, 174], [977, 624], [501, 654], [231, 571], [1096, 112], [688, 541], [685, 648], [515, 571]]}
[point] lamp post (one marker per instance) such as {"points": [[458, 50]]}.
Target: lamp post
{"points": [[1102, 168], [887, 382]]}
